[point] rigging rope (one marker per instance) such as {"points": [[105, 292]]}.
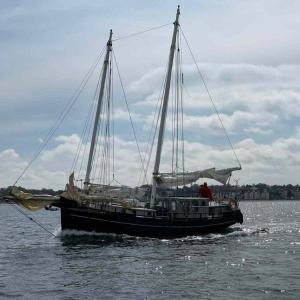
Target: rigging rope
{"points": [[131, 121], [104, 170], [153, 140], [113, 123], [14, 205], [141, 32], [87, 125], [158, 107], [177, 111], [177, 70], [52, 131], [173, 98], [71, 103], [178, 114], [87, 130], [210, 97], [66, 111], [62, 116], [181, 108], [148, 151]]}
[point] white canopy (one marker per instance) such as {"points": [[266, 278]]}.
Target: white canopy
{"points": [[169, 179]]}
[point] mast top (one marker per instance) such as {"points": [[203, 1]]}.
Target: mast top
{"points": [[109, 43], [177, 15]]}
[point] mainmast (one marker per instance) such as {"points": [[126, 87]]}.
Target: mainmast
{"points": [[164, 111], [98, 111]]}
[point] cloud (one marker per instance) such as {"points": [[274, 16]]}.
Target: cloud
{"points": [[229, 83], [242, 73], [62, 155], [254, 100], [257, 130], [237, 121], [148, 82], [12, 165], [278, 162], [122, 115]]}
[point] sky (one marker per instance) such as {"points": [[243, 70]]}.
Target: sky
{"points": [[247, 51]]}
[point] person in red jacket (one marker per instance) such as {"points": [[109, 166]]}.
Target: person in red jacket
{"points": [[205, 192]]}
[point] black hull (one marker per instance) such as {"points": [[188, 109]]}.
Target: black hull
{"points": [[119, 223]]}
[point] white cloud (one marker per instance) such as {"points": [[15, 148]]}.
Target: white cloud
{"points": [[148, 82], [12, 165], [238, 121], [278, 162], [231, 84], [60, 156], [251, 99], [122, 115], [258, 130]]}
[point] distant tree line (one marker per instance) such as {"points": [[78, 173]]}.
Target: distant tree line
{"points": [[258, 191], [261, 191]]}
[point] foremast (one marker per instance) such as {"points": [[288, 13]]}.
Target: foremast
{"points": [[164, 111], [98, 111]]}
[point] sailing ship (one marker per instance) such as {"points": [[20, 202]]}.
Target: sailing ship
{"points": [[147, 210]]}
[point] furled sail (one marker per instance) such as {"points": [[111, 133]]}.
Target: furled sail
{"points": [[30, 201], [123, 195], [71, 192], [179, 179]]}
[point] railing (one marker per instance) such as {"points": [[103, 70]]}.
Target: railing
{"points": [[212, 212], [182, 210]]}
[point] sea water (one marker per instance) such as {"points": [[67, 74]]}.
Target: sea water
{"points": [[257, 260]]}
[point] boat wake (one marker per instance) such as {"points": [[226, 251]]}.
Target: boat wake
{"points": [[230, 233], [72, 237], [76, 237]]}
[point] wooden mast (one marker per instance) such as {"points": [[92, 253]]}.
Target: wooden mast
{"points": [[98, 111], [164, 111]]}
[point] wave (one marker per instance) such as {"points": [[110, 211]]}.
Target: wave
{"points": [[72, 237], [234, 233], [230, 233]]}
